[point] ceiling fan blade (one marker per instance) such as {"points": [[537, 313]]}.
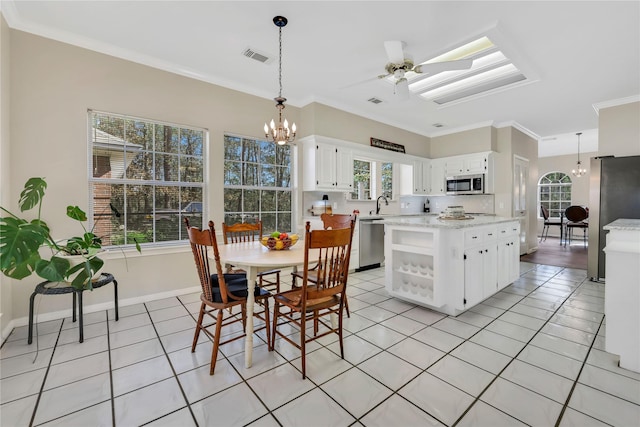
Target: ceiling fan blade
{"points": [[402, 89], [394, 51], [438, 67]]}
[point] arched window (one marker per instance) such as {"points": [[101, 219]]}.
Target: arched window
{"points": [[554, 193]]}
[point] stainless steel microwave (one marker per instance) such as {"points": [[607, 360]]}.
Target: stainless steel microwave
{"points": [[465, 184]]}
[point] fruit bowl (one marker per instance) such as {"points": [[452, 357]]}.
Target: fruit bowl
{"points": [[278, 243]]}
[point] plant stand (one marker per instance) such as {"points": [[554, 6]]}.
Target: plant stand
{"points": [[42, 289]]}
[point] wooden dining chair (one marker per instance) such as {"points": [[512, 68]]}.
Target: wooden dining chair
{"points": [[576, 218], [243, 232], [221, 291], [329, 221], [316, 300], [544, 212]]}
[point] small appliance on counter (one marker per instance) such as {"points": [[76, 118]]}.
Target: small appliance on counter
{"points": [[321, 206]]}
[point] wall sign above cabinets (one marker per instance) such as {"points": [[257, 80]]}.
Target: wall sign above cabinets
{"points": [[385, 145]]}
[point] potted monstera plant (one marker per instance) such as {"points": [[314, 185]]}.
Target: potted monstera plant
{"points": [[21, 241]]}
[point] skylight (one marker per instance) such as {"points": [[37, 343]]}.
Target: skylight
{"points": [[491, 71]]}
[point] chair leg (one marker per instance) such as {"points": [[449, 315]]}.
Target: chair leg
{"points": [[216, 342], [303, 339], [198, 328], [346, 305], [276, 312], [267, 323]]}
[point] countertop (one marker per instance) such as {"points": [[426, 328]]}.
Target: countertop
{"points": [[627, 224], [433, 221]]}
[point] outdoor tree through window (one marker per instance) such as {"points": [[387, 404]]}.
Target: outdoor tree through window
{"points": [[146, 177], [257, 183]]}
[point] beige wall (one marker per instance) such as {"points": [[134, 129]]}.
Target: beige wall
{"points": [[6, 306], [334, 123], [527, 147], [53, 84], [619, 130], [465, 142]]}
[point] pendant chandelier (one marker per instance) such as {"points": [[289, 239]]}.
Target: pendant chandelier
{"points": [[280, 134], [578, 171]]}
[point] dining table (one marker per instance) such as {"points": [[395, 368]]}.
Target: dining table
{"points": [[254, 258]]}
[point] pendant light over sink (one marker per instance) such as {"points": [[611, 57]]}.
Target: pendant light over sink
{"points": [[578, 171], [280, 134]]}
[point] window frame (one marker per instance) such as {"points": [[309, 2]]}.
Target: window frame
{"points": [[244, 213], [122, 210], [551, 185], [375, 179]]}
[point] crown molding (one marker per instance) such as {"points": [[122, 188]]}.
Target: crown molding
{"points": [[615, 102], [463, 128], [521, 128]]}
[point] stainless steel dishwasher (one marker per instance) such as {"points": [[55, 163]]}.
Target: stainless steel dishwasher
{"points": [[371, 243]]}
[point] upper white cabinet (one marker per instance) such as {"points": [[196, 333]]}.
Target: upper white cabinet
{"points": [[326, 166], [468, 164], [438, 177], [421, 176]]}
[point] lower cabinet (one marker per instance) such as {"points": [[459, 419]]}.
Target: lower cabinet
{"points": [[450, 269]]}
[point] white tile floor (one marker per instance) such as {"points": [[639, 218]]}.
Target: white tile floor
{"points": [[531, 355]]}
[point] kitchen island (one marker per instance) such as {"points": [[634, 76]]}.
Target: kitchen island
{"points": [[450, 265]]}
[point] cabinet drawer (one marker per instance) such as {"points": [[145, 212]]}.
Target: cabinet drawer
{"points": [[490, 234], [507, 230], [473, 237]]}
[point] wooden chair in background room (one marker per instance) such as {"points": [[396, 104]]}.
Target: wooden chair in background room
{"points": [[316, 300], [576, 218], [221, 291], [242, 232], [544, 212], [329, 222]]}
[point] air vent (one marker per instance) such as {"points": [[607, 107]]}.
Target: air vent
{"points": [[374, 100], [258, 56], [437, 125]]}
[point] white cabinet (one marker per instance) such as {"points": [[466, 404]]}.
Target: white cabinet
{"points": [[411, 265], [438, 178], [508, 254], [468, 164], [327, 167], [480, 265], [421, 176]]}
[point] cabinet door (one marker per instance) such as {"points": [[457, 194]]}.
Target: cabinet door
{"points": [[490, 271], [343, 169], [326, 166], [454, 166], [475, 164], [508, 262], [473, 276], [421, 177], [438, 178]]}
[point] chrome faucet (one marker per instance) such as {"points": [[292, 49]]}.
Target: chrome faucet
{"points": [[386, 202]]}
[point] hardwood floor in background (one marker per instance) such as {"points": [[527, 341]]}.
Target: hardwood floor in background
{"points": [[550, 252]]}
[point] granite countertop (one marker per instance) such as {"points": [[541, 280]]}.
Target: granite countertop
{"points": [[624, 224], [433, 221]]}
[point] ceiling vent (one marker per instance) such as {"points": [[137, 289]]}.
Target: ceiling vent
{"points": [[374, 100], [258, 56], [437, 125]]}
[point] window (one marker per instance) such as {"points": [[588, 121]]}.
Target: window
{"points": [[371, 179], [387, 179], [554, 193], [257, 183], [146, 176], [361, 180]]}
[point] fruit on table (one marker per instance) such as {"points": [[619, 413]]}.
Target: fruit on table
{"points": [[275, 234], [283, 236]]}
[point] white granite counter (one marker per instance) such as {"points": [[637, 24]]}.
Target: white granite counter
{"points": [[627, 224], [433, 221]]}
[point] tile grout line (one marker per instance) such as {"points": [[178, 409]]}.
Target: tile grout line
{"points": [[575, 383]]}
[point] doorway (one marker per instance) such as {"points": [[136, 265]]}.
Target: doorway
{"points": [[520, 178]]}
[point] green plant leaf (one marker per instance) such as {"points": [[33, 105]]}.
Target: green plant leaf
{"points": [[32, 193], [76, 213], [19, 244], [54, 269], [85, 270]]}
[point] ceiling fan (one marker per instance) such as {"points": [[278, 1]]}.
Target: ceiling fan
{"points": [[400, 63]]}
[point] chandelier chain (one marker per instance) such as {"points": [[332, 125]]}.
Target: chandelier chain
{"points": [[280, 61]]}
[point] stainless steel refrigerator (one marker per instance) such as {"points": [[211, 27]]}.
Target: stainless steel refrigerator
{"points": [[614, 192]]}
